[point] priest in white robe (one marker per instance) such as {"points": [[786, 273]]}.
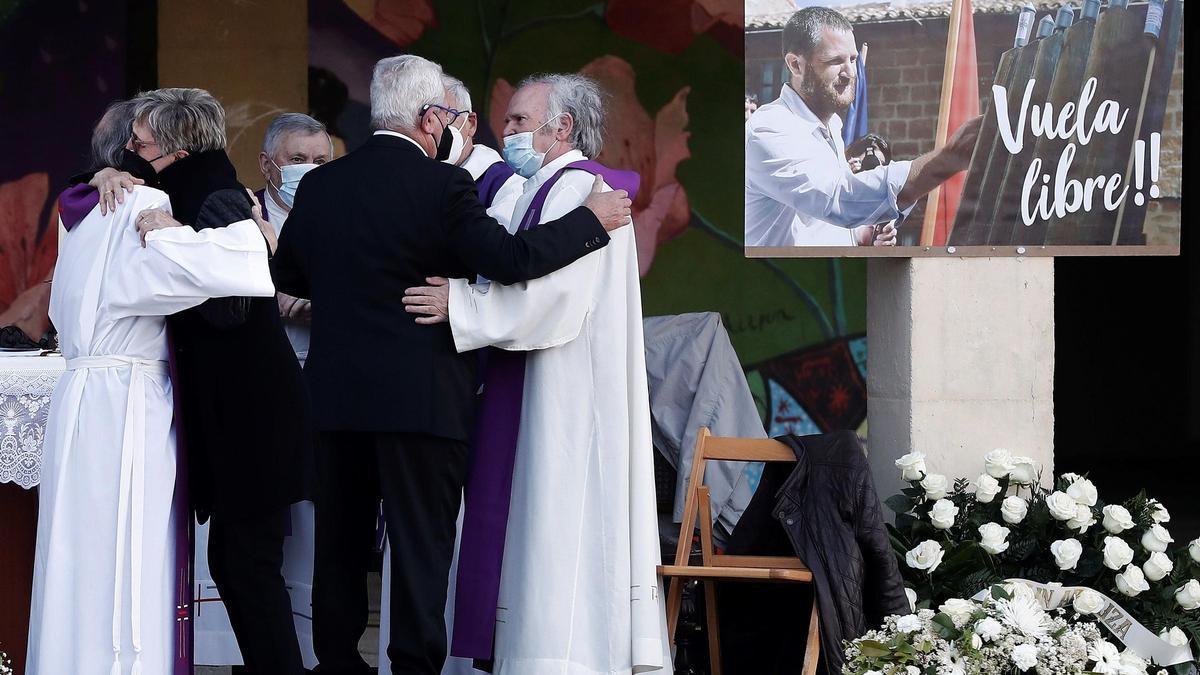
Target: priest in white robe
{"points": [[579, 592], [105, 573]]}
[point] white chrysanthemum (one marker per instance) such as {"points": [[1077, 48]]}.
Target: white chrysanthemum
{"points": [[1023, 614]]}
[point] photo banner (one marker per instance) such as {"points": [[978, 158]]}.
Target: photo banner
{"points": [[994, 128]]}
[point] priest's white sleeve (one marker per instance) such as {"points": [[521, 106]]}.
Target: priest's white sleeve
{"points": [[180, 268], [538, 314]]}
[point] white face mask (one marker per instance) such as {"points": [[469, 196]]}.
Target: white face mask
{"points": [[456, 145], [518, 151], [290, 175]]}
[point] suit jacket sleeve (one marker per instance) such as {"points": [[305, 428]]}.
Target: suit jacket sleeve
{"points": [[485, 247], [289, 267], [222, 208]]}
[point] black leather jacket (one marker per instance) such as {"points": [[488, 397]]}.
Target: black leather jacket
{"points": [[832, 518]]}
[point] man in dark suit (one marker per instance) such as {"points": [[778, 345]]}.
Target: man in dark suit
{"points": [[393, 402]]}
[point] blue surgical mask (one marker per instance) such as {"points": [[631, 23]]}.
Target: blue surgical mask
{"points": [[290, 175], [518, 151]]}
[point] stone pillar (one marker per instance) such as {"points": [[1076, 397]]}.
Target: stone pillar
{"points": [[253, 56], [960, 361]]}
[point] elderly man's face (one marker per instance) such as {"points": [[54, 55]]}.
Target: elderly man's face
{"points": [[528, 110], [825, 79], [295, 148]]}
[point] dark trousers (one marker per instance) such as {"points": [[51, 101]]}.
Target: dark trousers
{"points": [[245, 556], [420, 480]]}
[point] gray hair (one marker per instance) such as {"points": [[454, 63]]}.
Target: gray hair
{"points": [[292, 123], [400, 87], [458, 91], [580, 97], [182, 119], [112, 133], [803, 31]]}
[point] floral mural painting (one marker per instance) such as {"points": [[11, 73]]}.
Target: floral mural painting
{"points": [[28, 252]]}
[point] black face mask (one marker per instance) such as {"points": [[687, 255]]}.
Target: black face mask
{"points": [[444, 144], [137, 165]]}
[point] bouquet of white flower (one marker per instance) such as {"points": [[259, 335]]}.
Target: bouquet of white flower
{"points": [[956, 539], [1006, 632], [5, 664]]}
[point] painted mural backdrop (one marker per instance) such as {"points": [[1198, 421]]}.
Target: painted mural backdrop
{"points": [[674, 72]]}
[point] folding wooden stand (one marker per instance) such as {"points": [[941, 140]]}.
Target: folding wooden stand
{"points": [[746, 568]]}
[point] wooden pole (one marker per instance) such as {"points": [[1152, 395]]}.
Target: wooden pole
{"points": [[933, 203]]}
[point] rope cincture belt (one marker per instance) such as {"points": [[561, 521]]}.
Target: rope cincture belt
{"points": [[132, 495]]}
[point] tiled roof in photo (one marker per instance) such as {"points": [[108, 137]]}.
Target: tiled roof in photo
{"points": [[773, 14]]}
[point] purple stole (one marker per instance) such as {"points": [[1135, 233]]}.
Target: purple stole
{"points": [[185, 536], [490, 182], [489, 484]]}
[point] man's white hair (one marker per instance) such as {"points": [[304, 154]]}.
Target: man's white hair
{"points": [[580, 97], [400, 87], [455, 89]]}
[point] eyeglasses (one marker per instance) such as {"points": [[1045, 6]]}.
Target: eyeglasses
{"points": [[138, 143], [453, 113]]}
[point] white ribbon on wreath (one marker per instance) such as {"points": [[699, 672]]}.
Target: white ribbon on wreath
{"points": [[1120, 623]]}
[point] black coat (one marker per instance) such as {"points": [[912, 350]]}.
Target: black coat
{"points": [[244, 409], [363, 229], [831, 517]]}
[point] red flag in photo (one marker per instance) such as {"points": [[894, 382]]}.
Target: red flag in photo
{"points": [[960, 103]]}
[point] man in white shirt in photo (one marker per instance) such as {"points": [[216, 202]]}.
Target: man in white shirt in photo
{"points": [[799, 189]]}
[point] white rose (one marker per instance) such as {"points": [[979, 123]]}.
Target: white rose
{"points": [[1025, 656], [912, 466], [1024, 471], [1188, 595], [1087, 601], [989, 629], [1083, 491], [998, 463], [1084, 518], [1194, 549], [986, 489], [993, 538], [910, 623], [1158, 566], [958, 610], [1132, 663], [935, 485], [912, 599], [1066, 553], [926, 556], [1070, 477], [1174, 637], [1062, 507], [1117, 519], [1013, 509], [1156, 538], [1132, 581], [1117, 553], [942, 514], [1158, 512]]}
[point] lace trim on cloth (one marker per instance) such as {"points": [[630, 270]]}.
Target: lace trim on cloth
{"points": [[24, 407]]}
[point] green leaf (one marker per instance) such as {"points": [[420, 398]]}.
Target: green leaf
{"points": [[943, 625], [873, 648], [999, 593], [899, 503]]}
